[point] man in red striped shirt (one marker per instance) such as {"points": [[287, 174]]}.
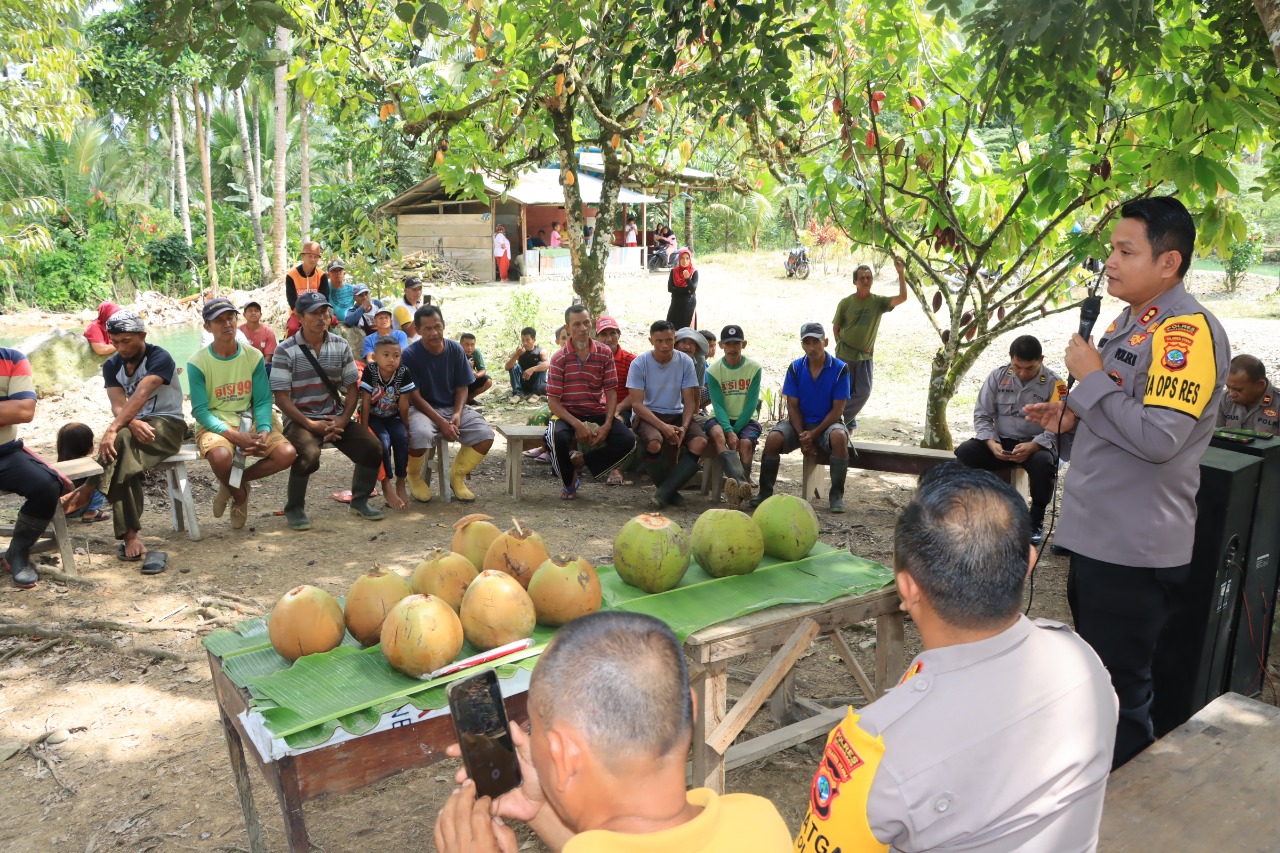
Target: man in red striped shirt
{"points": [[582, 393]]}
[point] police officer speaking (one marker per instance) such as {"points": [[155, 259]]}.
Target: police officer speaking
{"points": [[1143, 413], [1003, 435]]}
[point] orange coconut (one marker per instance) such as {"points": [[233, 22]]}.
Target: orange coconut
{"points": [[420, 635], [305, 621], [564, 589], [496, 610], [444, 574], [518, 552], [473, 534], [370, 597]]}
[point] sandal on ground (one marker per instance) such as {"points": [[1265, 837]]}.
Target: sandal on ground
{"points": [[615, 478], [120, 554], [154, 563], [569, 493], [97, 516]]}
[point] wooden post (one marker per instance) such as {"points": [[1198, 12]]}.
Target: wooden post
{"points": [[889, 640], [240, 772], [711, 687], [644, 231], [524, 242]]}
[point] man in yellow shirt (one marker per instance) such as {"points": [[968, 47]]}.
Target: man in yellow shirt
{"points": [[611, 720]]}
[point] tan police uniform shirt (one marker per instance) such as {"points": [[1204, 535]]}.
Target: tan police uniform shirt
{"points": [[1145, 420], [1000, 745], [1262, 416], [998, 413]]}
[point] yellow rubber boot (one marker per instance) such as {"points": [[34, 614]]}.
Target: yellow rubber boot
{"points": [[463, 464], [419, 488]]}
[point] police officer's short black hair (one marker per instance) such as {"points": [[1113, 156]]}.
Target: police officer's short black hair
{"points": [[965, 539], [1169, 226], [427, 311], [661, 326], [1026, 348], [1251, 366], [621, 680]]}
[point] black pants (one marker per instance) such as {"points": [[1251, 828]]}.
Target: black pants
{"points": [[395, 443], [1120, 611], [564, 441], [24, 474], [1040, 469], [358, 443]]}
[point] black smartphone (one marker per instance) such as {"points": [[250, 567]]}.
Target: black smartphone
{"points": [[480, 720]]}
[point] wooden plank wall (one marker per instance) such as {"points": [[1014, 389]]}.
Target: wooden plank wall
{"points": [[467, 238]]}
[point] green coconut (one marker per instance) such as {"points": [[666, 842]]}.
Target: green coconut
{"points": [[651, 552], [727, 542], [789, 526]]}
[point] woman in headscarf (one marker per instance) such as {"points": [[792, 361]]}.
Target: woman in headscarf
{"points": [[682, 284], [97, 335]]}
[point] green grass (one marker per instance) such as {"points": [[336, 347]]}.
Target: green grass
{"points": [[1268, 270]]}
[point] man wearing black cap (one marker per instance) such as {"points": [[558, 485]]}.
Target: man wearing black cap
{"points": [[361, 314], [231, 404], [816, 387], [733, 384], [314, 381], [146, 400]]}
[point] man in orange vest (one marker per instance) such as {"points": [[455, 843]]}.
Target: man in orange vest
{"points": [[305, 277]]}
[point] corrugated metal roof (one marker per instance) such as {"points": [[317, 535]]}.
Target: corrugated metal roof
{"points": [[537, 187]]}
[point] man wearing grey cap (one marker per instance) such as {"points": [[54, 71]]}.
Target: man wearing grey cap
{"points": [[315, 384], [148, 427], [816, 387], [361, 314]]}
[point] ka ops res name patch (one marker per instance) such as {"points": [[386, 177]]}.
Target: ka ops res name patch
{"points": [[1183, 366]]}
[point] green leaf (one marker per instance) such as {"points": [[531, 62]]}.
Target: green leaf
{"points": [[406, 12], [436, 14], [237, 73]]}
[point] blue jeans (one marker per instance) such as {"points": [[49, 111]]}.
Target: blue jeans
{"points": [[395, 440], [95, 503], [536, 384]]}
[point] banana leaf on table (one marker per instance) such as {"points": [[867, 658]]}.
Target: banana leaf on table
{"points": [[352, 687]]}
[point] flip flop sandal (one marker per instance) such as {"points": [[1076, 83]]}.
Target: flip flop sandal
{"points": [[569, 494], [120, 554], [154, 563], [94, 519]]}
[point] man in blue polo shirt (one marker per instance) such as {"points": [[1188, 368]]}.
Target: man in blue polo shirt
{"points": [[816, 387]]}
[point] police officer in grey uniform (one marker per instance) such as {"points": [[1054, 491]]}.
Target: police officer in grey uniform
{"points": [[1251, 402], [999, 737], [1143, 413], [1004, 437]]}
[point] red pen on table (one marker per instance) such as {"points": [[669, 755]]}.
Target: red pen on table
{"points": [[483, 657]]}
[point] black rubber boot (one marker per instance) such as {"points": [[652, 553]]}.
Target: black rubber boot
{"points": [[668, 492], [1037, 525], [768, 476], [731, 465], [363, 481], [295, 504], [839, 468], [26, 530]]}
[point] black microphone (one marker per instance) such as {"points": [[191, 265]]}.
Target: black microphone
{"points": [[1090, 308]]}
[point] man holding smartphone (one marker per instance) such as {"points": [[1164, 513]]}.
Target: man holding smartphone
{"points": [[594, 780], [1005, 437]]}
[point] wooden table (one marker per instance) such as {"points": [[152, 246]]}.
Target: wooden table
{"points": [[1209, 784], [349, 766], [338, 769], [787, 630]]}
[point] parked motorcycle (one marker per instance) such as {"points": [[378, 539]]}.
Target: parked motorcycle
{"points": [[797, 262], [660, 260]]}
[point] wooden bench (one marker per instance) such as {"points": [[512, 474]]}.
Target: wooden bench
{"points": [[182, 504], [58, 536], [519, 438], [895, 459]]}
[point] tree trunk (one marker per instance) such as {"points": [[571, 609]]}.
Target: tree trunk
{"points": [[257, 135], [304, 151], [1269, 12], [180, 167], [173, 170], [202, 144], [950, 365], [251, 186], [588, 268], [279, 259], [688, 221]]}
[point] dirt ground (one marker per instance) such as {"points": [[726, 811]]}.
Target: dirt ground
{"points": [[146, 767]]}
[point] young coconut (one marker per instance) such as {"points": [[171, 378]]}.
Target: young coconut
{"points": [[789, 526], [727, 542], [564, 589], [368, 601], [305, 621], [420, 635], [518, 552], [496, 610], [473, 534], [651, 552], [444, 574]]}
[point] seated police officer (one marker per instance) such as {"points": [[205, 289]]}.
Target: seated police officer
{"points": [[1004, 435]]}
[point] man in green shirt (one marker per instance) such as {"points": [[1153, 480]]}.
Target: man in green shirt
{"points": [[227, 381], [733, 383], [856, 323]]}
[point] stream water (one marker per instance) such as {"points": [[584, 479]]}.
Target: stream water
{"points": [[179, 341]]}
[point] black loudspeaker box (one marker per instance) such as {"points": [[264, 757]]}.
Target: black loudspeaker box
{"points": [[1193, 653]]}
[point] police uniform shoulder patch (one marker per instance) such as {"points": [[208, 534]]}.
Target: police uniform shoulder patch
{"points": [[1266, 401], [837, 818], [1271, 413], [1184, 366], [1043, 379], [1059, 392], [1110, 328], [1148, 315]]}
